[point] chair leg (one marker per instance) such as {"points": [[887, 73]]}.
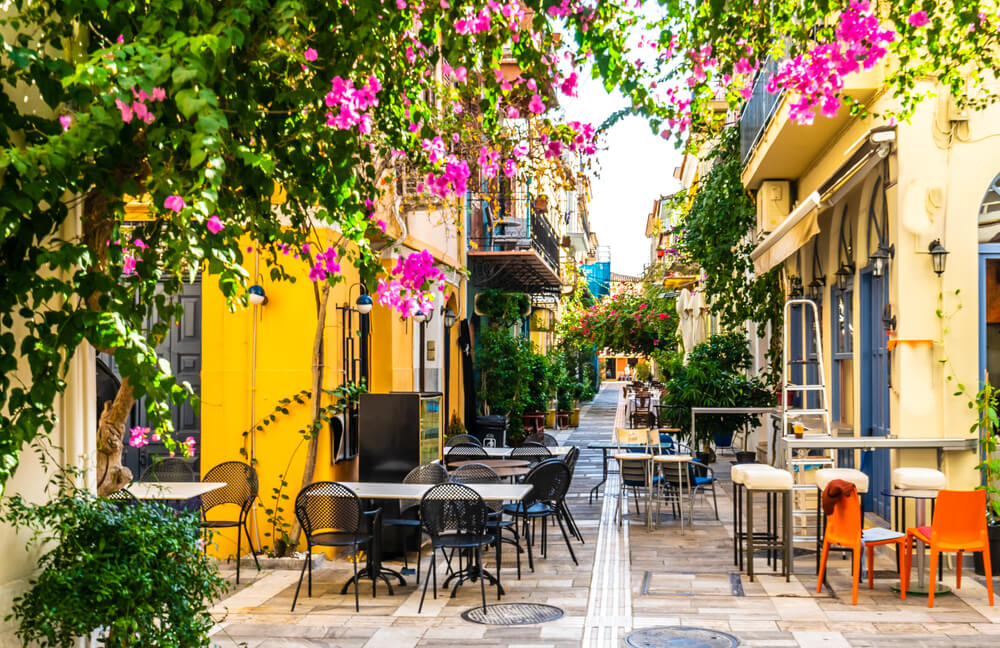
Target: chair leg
{"points": [[565, 537], [239, 536], [309, 564], [932, 583], [855, 574], [431, 574], [715, 502], [871, 566], [482, 581], [904, 569], [988, 570], [821, 574], [297, 587], [958, 571], [499, 542], [250, 544], [529, 540]]}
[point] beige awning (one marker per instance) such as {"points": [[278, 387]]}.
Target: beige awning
{"points": [[793, 232]]}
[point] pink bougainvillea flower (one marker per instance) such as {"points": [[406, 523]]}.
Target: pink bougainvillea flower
{"points": [[174, 203], [461, 74], [213, 224], [159, 94], [128, 264], [512, 112], [139, 243], [125, 110], [510, 168], [137, 437], [311, 54], [918, 19], [536, 105], [120, 39], [66, 121], [408, 289]]}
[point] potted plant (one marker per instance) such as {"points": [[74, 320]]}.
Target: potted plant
{"points": [[536, 400], [985, 403], [714, 377]]}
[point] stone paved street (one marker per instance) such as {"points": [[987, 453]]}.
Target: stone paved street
{"points": [[628, 578]]}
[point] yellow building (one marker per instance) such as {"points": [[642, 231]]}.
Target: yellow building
{"points": [[851, 208]]}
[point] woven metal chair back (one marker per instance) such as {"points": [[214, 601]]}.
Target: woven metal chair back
{"points": [[571, 458], [240, 489], [542, 438], [642, 419], [323, 507], [532, 452], [452, 507], [477, 473], [171, 469], [122, 498], [461, 438], [465, 452], [642, 402], [428, 473], [549, 480]]}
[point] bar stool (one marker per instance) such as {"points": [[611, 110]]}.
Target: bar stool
{"points": [[738, 475], [823, 477], [771, 483], [921, 485]]}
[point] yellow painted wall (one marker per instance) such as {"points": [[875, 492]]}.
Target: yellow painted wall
{"points": [[285, 330]]}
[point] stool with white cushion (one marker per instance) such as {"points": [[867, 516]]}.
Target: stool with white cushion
{"points": [[770, 482], [921, 485], [823, 477], [738, 475]]}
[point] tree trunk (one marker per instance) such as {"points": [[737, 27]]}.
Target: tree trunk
{"points": [[112, 476], [317, 403]]}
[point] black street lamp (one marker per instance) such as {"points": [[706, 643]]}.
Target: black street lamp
{"points": [[880, 259], [845, 276], [816, 288], [449, 321], [939, 256]]}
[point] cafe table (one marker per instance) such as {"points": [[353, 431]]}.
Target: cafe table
{"points": [[394, 490], [171, 491], [502, 467], [501, 453]]}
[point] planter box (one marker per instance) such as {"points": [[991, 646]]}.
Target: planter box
{"points": [[574, 417], [550, 419], [292, 562], [993, 533]]}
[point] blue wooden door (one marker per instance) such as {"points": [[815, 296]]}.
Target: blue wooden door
{"points": [[874, 362]]}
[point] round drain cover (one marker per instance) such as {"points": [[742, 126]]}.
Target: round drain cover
{"points": [[510, 614], [681, 637]]}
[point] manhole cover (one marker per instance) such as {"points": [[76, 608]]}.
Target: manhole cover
{"points": [[681, 637], [509, 614]]}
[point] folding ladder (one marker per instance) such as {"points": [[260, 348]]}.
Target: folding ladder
{"points": [[812, 412]]}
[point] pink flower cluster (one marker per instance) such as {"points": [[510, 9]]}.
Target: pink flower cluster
{"points": [[408, 287], [817, 77], [326, 264], [137, 437], [489, 162], [583, 138], [452, 180], [138, 107], [351, 103]]}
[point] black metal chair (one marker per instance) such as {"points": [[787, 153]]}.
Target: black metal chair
{"points": [[240, 490], [550, 481], [530, 451], [429, 473], [465, 452], [454, 517], [461, 438], [331, 515], [122, 498], [543, 438], [170, 469], [476, 473]]}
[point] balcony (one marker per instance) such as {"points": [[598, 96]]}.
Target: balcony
{"points": [[772, 146], [512, 246]]}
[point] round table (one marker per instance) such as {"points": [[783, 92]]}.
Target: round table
{"points": [[920, 497]]}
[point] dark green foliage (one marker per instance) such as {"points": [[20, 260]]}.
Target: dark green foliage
{"points": [[503, 360], [134, 572], [502, 308], [714, 377]]}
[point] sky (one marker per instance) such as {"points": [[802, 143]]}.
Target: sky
{"points": [[634, 167]]}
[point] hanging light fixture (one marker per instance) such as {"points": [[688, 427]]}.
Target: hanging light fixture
{"points": [[816, 288], [256, 295], [845, 276], [939, 256], [449, 317], [880, 259]]}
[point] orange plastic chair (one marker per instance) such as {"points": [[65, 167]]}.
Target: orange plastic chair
{"points": [[843, 528], [959, 525]]}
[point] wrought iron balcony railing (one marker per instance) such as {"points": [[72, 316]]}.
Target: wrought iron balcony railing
{"points": [[758, 111], [505, 220]]}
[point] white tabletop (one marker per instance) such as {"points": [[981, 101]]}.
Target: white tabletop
{"points": [[504, 452], [392, 490], [171, 490]]}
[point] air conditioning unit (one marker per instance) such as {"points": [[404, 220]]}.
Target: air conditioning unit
{"points": [[773, 205]]}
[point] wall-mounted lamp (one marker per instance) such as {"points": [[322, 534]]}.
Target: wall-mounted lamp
{"points": [[816, 288], [880, 259], [256, 296], [888, 319], [421, 317], [449, 317], [939, 256], [845, 276], [363, 304]]}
